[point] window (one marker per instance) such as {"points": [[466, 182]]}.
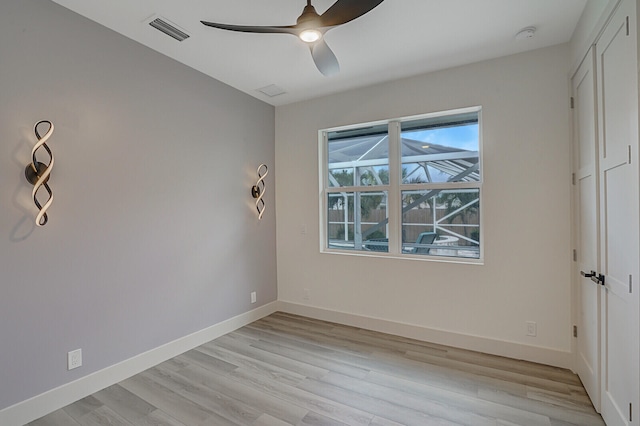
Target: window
{"points": [[408, 187]]}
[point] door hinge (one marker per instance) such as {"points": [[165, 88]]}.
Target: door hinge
{"points": [[630, 412], [630, 283], [575, 255], [573, 178], [572, 103], [627, 23], [629, 154], [575, 331]]}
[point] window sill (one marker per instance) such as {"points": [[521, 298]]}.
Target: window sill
{"points": [[406, 256]]}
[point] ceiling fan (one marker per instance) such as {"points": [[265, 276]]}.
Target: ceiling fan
{"points": [[311, 27]]}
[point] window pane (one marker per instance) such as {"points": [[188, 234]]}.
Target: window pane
{"points": [[359, 157], [441, 149], [441, 222], [341, 177], [366, 231]]}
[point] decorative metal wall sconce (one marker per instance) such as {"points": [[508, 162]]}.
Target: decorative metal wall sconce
{"points": [[38, 173], [257, 190]]}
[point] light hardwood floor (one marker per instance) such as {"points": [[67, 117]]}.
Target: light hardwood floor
{"points": [[290, 370]]}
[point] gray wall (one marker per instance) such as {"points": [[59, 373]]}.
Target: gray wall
{"points": [[152, 234]]}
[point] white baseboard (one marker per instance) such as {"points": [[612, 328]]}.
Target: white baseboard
{"points": [[487, 345], [54, 399]]}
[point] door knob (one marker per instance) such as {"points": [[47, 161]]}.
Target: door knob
{"points": [[588, 274]]}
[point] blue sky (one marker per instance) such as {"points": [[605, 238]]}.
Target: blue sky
{"points": [[463, 137]]}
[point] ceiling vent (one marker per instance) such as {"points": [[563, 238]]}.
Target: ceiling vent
{"points": [[272, 90], [163, 25]]}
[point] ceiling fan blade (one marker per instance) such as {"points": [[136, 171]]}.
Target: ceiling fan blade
{"points": [[291, 29], [324, 58], [344, 11]]}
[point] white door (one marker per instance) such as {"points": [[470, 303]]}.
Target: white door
{"points": [[585, 213], [619, 198]]}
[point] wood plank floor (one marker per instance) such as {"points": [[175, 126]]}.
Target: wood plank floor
{"points": [[290, 370]]}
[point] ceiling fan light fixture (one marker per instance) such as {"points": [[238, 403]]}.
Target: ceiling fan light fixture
{"points": [[310, 35], [311, 27]]}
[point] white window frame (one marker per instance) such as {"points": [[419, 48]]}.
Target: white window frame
{"points": [[394, 190]]}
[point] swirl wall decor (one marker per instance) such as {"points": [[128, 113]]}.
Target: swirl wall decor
{"points": [[38, 173], [257, 191]]}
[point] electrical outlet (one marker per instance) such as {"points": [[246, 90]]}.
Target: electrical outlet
{"points": [[253, 297], [74, 359], [531, 329], [306, 294]]}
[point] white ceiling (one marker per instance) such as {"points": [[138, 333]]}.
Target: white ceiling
{"points": [[399, 38]]}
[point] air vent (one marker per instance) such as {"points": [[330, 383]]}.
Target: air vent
{"points": [[169, 29], [272, 90]]}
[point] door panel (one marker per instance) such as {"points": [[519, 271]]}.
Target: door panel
{"points": [[586, 224], [618, 302], [618, 176]]}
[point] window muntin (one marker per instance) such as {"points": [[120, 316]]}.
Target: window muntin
{"points": [[435, 210]]}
